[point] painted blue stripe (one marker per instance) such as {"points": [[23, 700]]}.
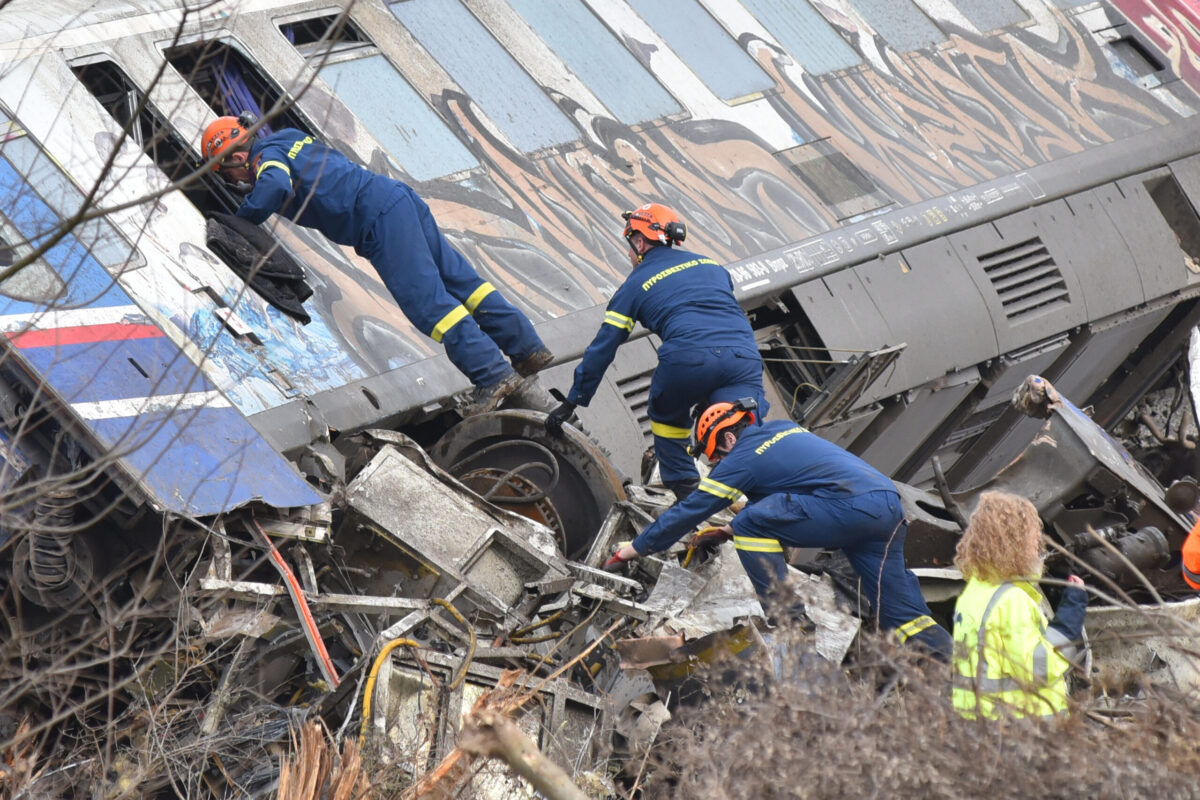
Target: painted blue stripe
{"points": [[195, 461], [102, 370], [202, 461]]}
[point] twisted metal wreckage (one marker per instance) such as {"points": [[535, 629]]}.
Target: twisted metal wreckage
{"points": [[451, 587]]}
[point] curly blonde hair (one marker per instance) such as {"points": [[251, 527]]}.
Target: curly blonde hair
{"points": [[1003, 540]]}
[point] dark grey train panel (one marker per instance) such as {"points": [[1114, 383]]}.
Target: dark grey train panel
{"points": [[929, 301], [1155, 255]]}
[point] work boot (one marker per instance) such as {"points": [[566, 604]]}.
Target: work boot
{"points": [[486, 398], [534, 363]]}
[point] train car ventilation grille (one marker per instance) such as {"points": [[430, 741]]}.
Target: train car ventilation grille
{"points": [[1027, 280], [636, 391]]}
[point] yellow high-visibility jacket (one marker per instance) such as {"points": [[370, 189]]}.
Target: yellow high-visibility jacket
{"points": [[1005, 663]]}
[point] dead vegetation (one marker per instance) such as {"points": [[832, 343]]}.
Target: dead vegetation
{"points": [[884, 727]]}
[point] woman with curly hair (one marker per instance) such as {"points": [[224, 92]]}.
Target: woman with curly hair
{"points": [[1007, 660]]}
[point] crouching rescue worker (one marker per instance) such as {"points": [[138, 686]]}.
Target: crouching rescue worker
{"points": [[707, 354], [291, 173], [803, 491], [1007, 660]]}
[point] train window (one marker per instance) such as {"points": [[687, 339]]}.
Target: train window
{"points": [[492, 79], [901, 24], [599, 59], [842, 187], [109, 84], [414, 135], [990, 15], [41, 175], [232, 83], [697, 38], [805, 34]]}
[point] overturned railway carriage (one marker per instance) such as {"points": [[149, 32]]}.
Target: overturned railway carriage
{"points": [[920, 202]]}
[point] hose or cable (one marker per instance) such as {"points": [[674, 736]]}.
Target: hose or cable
{"points": [[454, 612], [526, 629], [369, 689], [307, 623], [550, 463]]}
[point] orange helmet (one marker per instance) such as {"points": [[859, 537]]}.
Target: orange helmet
{"points": [[717, 418], [221, 136], [656, 222]]}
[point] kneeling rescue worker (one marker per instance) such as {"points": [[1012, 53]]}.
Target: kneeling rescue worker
{"points": [[804, 492], [291, 173]]}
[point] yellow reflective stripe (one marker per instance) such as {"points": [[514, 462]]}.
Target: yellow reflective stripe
{"points": [[914, 626], [447, 322], [753, 545], [719, 489], [477, 296], [279, 164], [669, 431], [618, 320]]}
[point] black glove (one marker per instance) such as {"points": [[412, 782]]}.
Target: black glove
{"points": [[556, 418]]}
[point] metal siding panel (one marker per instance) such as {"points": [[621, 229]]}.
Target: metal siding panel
{"points": [[705, 46], [406, 126], [1082, 236], [1159, 263], [492, 78], [952, 335], [805, 34], [923, 413], [901, 24], [846, 319], [1007, 232], [989, 15], [590, 50]]}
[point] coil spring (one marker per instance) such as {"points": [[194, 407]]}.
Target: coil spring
{"points": [[52, 562]]}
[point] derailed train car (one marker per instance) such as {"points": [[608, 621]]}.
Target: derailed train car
{"points": [[920, 203]]}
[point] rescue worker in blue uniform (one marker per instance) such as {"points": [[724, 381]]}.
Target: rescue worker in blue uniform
{"points": [[296, 176], [803, 491], [707, 353]]}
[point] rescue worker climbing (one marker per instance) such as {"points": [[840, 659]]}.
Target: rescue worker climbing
{"points": [[1007, 660], [803, 491], [707, 354], [293, 174]]}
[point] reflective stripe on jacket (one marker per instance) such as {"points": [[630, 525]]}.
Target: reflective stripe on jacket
{"points": [[1004, 664]]}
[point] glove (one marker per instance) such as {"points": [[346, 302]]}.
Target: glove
{"points": [[556, 418], [617, 563], [705, 543]]}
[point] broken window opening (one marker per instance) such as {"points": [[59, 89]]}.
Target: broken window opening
{"points": [[1179, 213], [796, 358], [232, 84], [109, 84], [419, 140]]}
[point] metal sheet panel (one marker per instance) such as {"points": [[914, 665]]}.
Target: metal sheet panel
{"points": [[925, 410], [493, 78], [901, 24], [995, 256], [953, 334], [705, 46], [592, 52], [805, 34], [1152, 246]]}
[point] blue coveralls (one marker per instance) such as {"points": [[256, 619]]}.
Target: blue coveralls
{"points": [[388, 224], [707, 355], [807, 492]]}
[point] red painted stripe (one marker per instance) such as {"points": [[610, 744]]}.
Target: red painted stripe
{"points": [[82, 334]]}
